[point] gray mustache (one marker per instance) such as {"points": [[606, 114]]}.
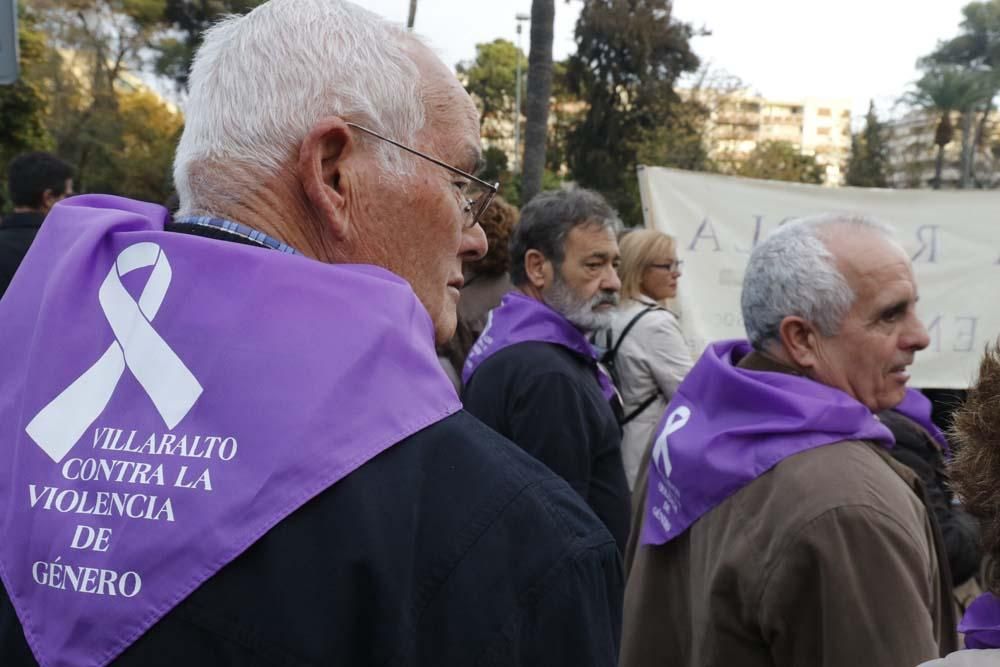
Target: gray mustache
{"points": [[610, 298]]}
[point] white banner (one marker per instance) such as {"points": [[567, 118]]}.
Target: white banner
{"points": [[952, 237]]}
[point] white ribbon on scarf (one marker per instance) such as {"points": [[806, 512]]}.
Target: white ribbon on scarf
{"points": [[172, 388]]}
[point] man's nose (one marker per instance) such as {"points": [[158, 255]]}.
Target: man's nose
{"points": [[915, 337], [474, 244], [610, 280]]}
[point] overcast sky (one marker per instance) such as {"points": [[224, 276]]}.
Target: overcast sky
{"points": [[856, 49]]}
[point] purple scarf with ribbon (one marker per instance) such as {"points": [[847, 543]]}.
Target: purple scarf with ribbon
{"points": [[166, 399], [981, 623], [726, 426], [520, 319]]}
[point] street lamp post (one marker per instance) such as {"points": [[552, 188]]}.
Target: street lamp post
{"points": [[521, 18]]}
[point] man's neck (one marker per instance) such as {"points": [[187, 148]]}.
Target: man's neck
{"points": [[773, 358], [531, 292], [278, 211]]}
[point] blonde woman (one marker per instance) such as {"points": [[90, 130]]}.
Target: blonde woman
{"points": [[651, 357]]}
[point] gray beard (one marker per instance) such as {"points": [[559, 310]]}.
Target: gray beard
{"points": [[561, 298]]}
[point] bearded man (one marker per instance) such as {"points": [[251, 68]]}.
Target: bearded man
{"points": [[532, 375]]}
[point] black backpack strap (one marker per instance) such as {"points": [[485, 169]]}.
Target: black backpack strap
{"points": [[614, 351], [628, 327], [638, 411]]}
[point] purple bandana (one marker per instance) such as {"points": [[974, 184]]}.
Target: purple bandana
{"points": [[727, 426], [166, 399], [981, 623], [520, 319], [917, 407]]}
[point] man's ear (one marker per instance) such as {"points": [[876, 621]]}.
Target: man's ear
{"points": [[800, 341], [322, 155], [49, 200], [538, 269]]}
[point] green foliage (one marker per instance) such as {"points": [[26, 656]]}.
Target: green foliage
{"points": [[492, 76], [23, 104], [630, 54], [189, 18], [974, 52], [84, 106], [869, 159], [510, 187], [678, 143], [496, 166], [150, 131], [946, 88], [978, 45], [147, 13], [781, 161]]}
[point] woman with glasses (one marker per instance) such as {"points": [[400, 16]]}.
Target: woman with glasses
{"points": [[650, 354]]}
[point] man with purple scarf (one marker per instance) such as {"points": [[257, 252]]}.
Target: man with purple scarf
{"points": [[227, 439], [975, 477], [775, 528], [532, 374]]}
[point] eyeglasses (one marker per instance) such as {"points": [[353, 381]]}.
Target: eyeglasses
{"points": [[670, 266], [475, 205]]}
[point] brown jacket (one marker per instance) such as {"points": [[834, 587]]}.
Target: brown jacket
{"points": [[827, 560]]}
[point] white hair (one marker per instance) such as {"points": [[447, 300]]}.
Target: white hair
{"points": [[792, 272], [260, 82]]}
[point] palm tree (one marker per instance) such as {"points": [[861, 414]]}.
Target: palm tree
{"points": [[412, 16], [536, 124], [944, 90], [976, 47]]}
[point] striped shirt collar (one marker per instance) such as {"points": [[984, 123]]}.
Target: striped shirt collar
{"points": [[237, 229]]}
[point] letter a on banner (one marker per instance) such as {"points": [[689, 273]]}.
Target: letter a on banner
{"points": [[172, 388]]}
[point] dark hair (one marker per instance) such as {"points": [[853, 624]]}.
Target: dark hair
{"points": [[548, 219], [498, 222], [31, 174]]}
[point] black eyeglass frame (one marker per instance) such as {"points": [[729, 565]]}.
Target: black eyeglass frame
{"points": [[478, 206], [670, 266]]}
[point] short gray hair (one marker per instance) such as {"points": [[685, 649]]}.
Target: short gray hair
{"points": [[792, 272], [548, 218], [259, 82]]}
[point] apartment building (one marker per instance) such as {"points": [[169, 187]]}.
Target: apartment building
{"points": [[740, 120]]}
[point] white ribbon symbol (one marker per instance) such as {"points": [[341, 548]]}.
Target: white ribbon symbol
{"points": [[164, 377], [661, 454]]}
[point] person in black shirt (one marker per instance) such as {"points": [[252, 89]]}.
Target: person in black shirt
{"points": [[316, 128], [35, 181]]}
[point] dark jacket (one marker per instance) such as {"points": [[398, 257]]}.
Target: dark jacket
{"points": [[917, 449], [17, 232], [547, 400], [452, 548]]}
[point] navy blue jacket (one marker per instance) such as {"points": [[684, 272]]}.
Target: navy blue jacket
{"points": [[17, 232], [546, 399], [452, 548]]}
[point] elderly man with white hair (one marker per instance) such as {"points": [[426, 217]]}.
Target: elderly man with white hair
{"points": [[227, 438], [775, 529]]}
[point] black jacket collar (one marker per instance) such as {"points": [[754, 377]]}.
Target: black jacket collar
{"points": [[23, 220]]}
